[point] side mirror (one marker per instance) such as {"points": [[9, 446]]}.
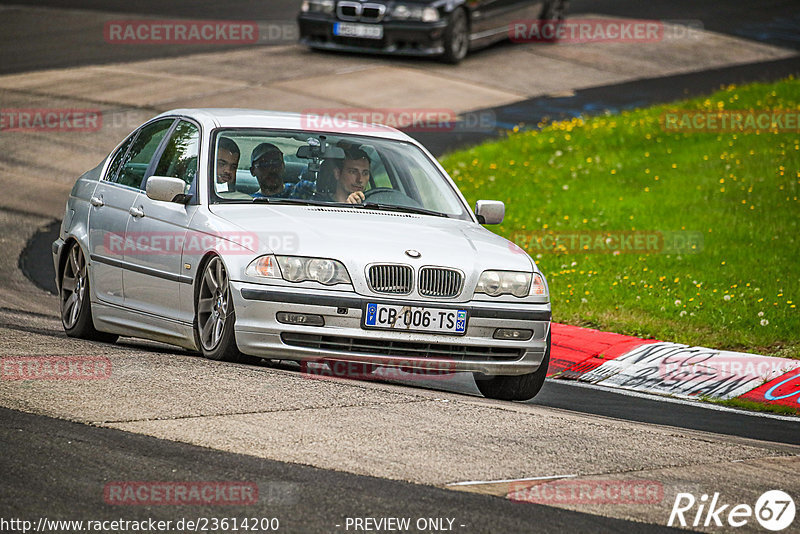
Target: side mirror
{"points": [[165, 189], [490, 211]]}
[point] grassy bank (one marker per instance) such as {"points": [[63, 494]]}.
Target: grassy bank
{"points": [[717, 262]]}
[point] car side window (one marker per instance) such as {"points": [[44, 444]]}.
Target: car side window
{"points": [[135, 163], [180, 155], [116, 159]]}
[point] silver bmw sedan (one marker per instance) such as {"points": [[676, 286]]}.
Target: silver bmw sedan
{"points": [[249, 235]]}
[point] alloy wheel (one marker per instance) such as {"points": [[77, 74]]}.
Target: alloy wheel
{"points": [[213, 304], [73, 287]]}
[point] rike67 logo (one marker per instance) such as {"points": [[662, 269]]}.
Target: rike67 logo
{"points": [[774, 510]]}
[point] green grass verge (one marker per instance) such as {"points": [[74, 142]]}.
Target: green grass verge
{"points": [[733, 195], [754, 406]]}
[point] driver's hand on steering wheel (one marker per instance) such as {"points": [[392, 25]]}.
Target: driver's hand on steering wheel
{"points": [[356, 197]]}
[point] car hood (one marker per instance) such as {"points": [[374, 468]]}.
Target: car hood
{"points": [[359, 237]]}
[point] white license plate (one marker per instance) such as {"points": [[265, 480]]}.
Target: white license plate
{"points": [[415, 318], [365, 31]]}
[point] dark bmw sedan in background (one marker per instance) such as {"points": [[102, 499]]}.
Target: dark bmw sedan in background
{"points": [[443, 28]]}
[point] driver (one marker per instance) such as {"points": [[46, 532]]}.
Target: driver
{"points": [[268, 167], [352, 176]]}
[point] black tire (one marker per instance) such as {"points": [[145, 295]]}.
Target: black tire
{"points": [[553, 10], [515, 388], [75, 298], [456, 37], [215, 316]]}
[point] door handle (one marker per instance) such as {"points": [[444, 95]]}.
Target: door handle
{"points": [[97, 202], [136, 212]]}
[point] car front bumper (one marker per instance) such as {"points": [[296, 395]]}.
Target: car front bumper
{"points": [[401, 38], [342, 337]]}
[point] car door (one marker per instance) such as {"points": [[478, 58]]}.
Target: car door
{"points": [[492, 18], [110, 205], [524, 11], [153, 275], [486, 16]]}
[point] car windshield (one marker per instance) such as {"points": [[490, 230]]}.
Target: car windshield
{"points": [[298, 167]]}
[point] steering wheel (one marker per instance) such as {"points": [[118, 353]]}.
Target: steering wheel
{"points": [[387, 195], [383, 191]]}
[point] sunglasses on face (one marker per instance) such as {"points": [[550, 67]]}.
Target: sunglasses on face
{"points": [[268, 163]]}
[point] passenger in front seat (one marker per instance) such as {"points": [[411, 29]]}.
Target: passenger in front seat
{"points": [[268, 167]]}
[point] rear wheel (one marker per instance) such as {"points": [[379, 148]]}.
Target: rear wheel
{"points": [[215, 316], [515, 388], [75, 299], [456, 37]]}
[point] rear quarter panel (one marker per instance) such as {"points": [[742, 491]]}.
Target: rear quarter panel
{"points": [[76, 215]]}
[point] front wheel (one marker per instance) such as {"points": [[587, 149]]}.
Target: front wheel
{"points": [[553, 10], [456, 37], [76, 306], [553, 13], [215, 316], [515, 388]]}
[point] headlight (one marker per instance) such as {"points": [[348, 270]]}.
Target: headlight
{"points": [[430, 14], [425, 14], [317, 6], [323, 271], [299, 269], [496, 283]]}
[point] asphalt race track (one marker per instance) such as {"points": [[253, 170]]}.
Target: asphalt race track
{"points": [[79, 458], [322, 451], [71, 38]]}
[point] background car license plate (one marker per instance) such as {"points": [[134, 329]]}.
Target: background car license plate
{"points": [[415, 318], [366, 31]]}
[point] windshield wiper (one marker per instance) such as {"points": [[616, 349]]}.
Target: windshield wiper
{"points": [[392, 207], [366, 205], [298, 201]]}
